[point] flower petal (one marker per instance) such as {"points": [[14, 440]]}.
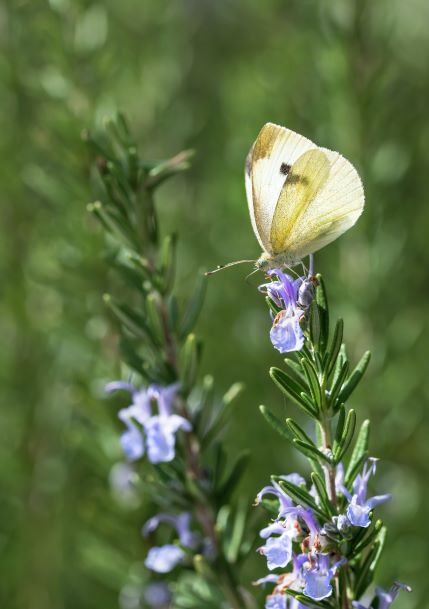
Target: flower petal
{"points": [[160, 441], [317, 585], [118, 385], [166, 397], [286, 334], [378, 500], [278, 551], [359, 514], [271, 578], [132, 442], [272, 529]]}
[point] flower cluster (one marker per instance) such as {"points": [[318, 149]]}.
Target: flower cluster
{"points": [[292, 299], [313, 549], [359, 506], [154, 432]]}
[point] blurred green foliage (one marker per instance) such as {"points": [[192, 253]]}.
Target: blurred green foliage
{"points": [[350, 74]]}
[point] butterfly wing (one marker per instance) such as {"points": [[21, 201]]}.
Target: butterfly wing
{"points": [[275, 150], [321, 198]]}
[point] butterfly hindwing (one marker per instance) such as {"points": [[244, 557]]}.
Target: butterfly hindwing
{"points": [[305, 179], [333, 204]]}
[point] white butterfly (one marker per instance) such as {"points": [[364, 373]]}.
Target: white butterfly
{"points": [[301, 197]]}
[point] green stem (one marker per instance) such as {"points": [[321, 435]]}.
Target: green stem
{"points": [[204, 511], [330, 470], [341, 583], [325, 428]]}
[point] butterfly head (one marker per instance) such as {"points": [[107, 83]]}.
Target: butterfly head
{"points": [[267, 262], [264, 262]]}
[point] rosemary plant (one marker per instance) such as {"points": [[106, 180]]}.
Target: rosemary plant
{"points": [[323, 541], [324, 529], [171, 422]]}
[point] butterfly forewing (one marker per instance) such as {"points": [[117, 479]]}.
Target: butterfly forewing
{"points": [[305, 179], [275, 149]]}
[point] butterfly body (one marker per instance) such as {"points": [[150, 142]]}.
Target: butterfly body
{"points": [[267, 262], [300, 196]]}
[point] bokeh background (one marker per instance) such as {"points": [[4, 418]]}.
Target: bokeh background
{"points": [[351, 74]]}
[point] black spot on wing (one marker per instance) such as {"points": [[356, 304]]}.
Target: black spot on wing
{"points": [[285, 169]]}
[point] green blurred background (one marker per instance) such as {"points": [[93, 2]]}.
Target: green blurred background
{"points": [[353, 75]]}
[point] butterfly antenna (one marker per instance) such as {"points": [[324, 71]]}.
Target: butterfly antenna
{"points": [[250, 274], [220, 267], [293, 272]]}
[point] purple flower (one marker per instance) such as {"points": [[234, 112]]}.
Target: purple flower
{"points": [[163, 559], [278, 550], [281, 533], [359, 508], [159, 429], [318, 577], [180, 522], [286, 333], [385, 599]]}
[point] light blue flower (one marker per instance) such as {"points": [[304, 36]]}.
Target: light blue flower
{"points": [[278, 550], [318, 577], [161, 436], [155, 433], [286, 333], [163, 559], [359, 508], [385, 599]]}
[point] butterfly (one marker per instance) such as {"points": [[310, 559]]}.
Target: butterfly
{"points": [[300, 196]]}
